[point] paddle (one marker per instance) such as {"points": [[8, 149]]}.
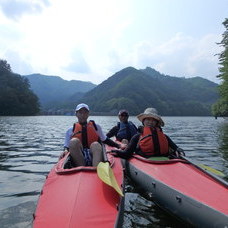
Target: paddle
{"points": [[105, 173], [205, 167], [212, 170], [223, 182]]}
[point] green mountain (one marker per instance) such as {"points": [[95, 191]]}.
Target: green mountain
{"points": [[55, 92], [136, 90], [129, 88]]}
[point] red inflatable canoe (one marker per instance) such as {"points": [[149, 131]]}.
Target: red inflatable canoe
{"points": [[183, 189], [76, 197]]}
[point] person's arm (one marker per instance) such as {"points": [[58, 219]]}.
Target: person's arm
{"points": [[110, 142], [68, 137], [176, 150], [171, 143], [105, 139], [66, 142], [130, 149], [112, 132]]}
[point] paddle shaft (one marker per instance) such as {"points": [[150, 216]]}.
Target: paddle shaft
{"points": [[104, 154], [220, 180]]}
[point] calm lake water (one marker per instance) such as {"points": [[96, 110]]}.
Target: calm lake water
{"points": [[30, 146]]}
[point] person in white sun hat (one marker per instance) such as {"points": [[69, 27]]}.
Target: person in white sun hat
{"points": [[84, 140], [151, 141]]}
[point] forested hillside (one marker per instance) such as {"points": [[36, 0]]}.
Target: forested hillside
{"points": [[220, 108], [129, 88], [137, 89], [16, 98], [54, 92]]}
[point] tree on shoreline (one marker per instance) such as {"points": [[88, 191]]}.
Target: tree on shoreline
{"points": [[221, 107], [16, 98]]}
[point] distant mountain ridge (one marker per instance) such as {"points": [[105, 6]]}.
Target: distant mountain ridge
{"points": [[132, 89], [53, 90], [136, 90]]}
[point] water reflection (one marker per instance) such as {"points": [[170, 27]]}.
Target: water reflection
{"points": [[13, 217], [30, 146], [223, 139], [223, 145], [140, 211]]}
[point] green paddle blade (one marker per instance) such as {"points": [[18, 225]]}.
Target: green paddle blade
{"points": [[106, 174], [212, 170]]}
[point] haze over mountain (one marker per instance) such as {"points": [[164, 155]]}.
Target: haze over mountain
{"points": [[132, 89], [54, 91]]}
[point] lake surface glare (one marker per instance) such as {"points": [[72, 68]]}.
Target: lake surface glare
{"points": [[30, 146]]}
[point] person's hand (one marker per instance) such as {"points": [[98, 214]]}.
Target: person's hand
{"points": [[179, 152], [63, 154], [123, 146]]}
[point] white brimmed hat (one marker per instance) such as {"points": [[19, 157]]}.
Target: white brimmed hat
{"points": [[151, 113], [80, 106]]}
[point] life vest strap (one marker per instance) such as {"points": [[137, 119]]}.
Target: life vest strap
{"points": [[146, 136], [78, 132]]}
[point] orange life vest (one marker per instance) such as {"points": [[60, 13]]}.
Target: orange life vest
{"points": [[153, 141], [87, 133]]}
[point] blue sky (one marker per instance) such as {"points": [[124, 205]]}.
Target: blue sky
{"points": [[91, 40]]}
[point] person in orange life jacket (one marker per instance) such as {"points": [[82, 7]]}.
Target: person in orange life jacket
{"points": [[151, 141], [84, 139], [124, 130]]}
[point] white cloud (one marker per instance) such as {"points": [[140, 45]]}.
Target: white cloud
{"points": [[15, 9], [91, 40], [78, 63], [181, 55], [19, 64]]}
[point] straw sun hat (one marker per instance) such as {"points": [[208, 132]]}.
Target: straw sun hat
{"points": [[151, 113]]}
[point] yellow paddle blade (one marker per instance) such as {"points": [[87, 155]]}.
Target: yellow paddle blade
{"points": [[212, 170], [106, 174]]}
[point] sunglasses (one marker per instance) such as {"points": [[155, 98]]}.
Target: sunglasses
{"points": [[123, 114]]}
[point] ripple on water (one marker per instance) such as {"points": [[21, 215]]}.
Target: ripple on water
{"points": [[30, 146], [141, 211], [13, 217]]}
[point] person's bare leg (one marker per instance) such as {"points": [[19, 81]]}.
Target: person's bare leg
{"points": [[75, 149], [96, 151]]}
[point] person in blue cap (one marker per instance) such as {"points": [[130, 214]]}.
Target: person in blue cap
{"points": [[84, 140]]}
